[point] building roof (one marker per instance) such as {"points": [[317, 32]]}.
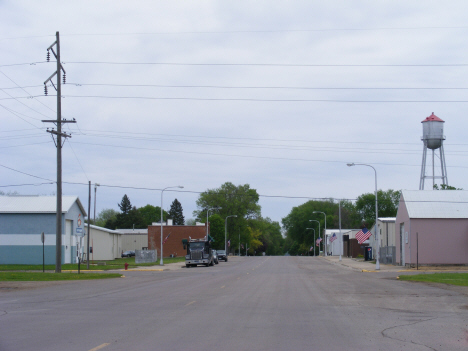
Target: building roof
{"points": [[436, 203], [102, 229], [132, 231], [37, 204], [432, 118], [387, 219]]}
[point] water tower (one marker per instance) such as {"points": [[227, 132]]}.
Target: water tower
{"points": [[433, 138]]}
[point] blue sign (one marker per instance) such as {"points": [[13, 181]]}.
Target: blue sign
{"points": [[79, 230]]}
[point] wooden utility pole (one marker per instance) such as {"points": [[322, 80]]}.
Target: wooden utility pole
{"points": [[58, 143]]}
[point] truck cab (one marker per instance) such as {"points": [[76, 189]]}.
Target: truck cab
{"points": [[199, 252]]}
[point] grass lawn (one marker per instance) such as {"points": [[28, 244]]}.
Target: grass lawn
{"points": [[109, 265], [445, 278], [39, 276]]}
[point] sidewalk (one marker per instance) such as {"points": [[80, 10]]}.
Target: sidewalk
{"points": [[360, 265]]}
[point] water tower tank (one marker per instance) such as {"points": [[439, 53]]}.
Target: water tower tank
{"points": [[433, 131]]}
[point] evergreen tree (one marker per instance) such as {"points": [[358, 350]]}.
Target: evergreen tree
{"points": [[176, 213], [125, 205]]}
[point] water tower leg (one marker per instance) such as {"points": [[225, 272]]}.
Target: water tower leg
{"points": [[443, 165], [423, 167], [433, 168]]}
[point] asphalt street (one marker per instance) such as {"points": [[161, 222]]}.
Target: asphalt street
{"points": [[248, 303]]}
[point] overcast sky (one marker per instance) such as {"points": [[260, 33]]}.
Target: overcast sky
{"points": [[276, 94]]}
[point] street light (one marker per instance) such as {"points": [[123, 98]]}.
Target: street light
{"points": [[225, 232], [376, 232], [94, 221], [314, 238], [161, 263], [314, 220], [208, 211], [325, 236]]}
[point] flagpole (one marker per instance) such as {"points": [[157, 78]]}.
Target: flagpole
{"points": [[341, 235]]}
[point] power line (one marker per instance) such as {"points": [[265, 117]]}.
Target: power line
{"points": [[28, 94], [325, 199], [243, 87], [249, 145], [71, 147], [15, 185], [23, 64], [253, 31], [265, 64], [247, 156], [247, 99], [17, 114], [31, 175], [258, 87], [12, 146]]}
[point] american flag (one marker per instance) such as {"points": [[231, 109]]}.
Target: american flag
{"points": [[363, 235], [242, 246], [317, 242], [311, 248], [167, 237], [229, 242], [333, 237]]}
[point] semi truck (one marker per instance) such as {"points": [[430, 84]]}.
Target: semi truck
{"points": [[199, 252]]}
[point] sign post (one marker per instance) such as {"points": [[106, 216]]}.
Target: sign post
{"points": [[43, 240]]}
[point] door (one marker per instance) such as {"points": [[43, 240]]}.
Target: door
{"points": [[68, 241], [402, 247]]}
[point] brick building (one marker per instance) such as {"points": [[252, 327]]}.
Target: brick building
{"points": [[175, 243]]}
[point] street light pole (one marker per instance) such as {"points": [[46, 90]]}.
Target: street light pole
{"points": [[314, 220], [161, 263], [376, 232], [325, 235], [95, 189], [314, 238], [225, 232]]}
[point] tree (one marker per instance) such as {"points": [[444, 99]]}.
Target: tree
{"points": [[265, 235], [298, 220], [234, 200], [176, 213], [151, 214], [240, 200], [129, 217], [105, 215], [387, 202], [217, 231], [125, 205], [190, 221], [445, 187]]}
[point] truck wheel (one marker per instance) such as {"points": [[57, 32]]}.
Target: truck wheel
{"points": [[225, 260], [212, 263]]}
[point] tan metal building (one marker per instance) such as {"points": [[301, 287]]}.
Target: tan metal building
{"points": [[134, 239]]}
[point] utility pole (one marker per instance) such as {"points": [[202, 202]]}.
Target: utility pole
{"points": [[58, 143], [89, 228]]}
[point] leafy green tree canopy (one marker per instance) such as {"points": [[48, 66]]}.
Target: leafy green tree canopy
{"points": [[217, 231], [387, 203], [445, 187], [151, 214], [238, 200], [105, 215]]}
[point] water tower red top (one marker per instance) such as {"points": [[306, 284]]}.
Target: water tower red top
{"points": [[432, 118]]}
